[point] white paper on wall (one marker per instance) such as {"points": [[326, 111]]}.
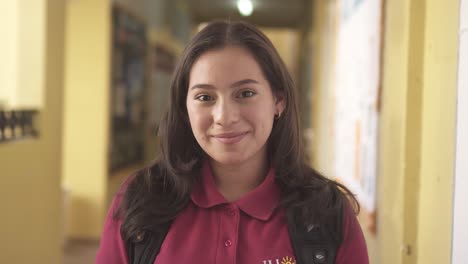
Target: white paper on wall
{"points": [[358, 68]]}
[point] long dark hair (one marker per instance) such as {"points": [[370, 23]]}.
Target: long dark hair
{"points": [[155, 195]]}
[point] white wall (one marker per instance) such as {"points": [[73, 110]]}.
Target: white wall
{"points": [[8, 47], [460, 217], [22, 50]]}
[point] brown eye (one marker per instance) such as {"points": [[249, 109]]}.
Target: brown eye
{"points": [[246, 93], [204, 98]]}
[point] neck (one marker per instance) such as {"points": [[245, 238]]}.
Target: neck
{"points": [[236, 180]]}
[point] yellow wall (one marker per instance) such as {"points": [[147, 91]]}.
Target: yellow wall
{"points": [[417, 132], [393, 132], [438, 137], [30, 169], [323, 45], [412, 133], [86, 113]]}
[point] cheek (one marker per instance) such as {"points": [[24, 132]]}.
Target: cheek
{"points": [[199, 121], [263, 120]]}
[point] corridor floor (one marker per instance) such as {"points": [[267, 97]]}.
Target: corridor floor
{"points": [[80, 252]]}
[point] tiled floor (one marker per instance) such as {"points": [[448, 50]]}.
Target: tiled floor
{"points": [[80, 252]]}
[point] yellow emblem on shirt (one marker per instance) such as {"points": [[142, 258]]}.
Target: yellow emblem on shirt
{"points": [[287, 260]]}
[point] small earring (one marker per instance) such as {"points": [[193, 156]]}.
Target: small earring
{"points": [[277, 115]]}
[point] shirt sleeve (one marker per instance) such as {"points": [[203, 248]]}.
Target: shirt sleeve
{"points": [[112, 248], [353, 249]]}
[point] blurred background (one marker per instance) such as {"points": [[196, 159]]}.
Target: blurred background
{"points": [[83, 84]]}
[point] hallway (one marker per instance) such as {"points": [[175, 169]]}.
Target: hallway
{"points": [[380, 85]]}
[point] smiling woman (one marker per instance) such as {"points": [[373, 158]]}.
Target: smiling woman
{"points": [[231, 183], [231, 108], [232, 113]]}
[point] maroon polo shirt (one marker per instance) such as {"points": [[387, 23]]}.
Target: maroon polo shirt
{"points": [[212, 230]]}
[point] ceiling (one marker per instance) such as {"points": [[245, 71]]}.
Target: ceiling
{"points": [[267, 13]]}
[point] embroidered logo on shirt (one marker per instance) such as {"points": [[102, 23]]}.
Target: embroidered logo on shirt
{"points": [[285, 260]]}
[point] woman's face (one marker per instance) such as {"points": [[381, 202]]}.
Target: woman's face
{"points": [[231, 106]]}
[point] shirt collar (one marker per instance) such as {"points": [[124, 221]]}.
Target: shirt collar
{"points": [[205, 193], [259, 203]]}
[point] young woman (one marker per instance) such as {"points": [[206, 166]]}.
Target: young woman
{"points": [[232, 181]]}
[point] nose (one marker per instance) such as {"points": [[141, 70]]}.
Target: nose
{"points": [[225, 113]]}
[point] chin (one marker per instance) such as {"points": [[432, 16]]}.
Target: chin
{"points": [[228, 159]]}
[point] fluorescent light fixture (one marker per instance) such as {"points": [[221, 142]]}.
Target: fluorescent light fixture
{"points": [[245, 7]]}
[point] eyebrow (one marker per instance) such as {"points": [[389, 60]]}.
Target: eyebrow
{"points": [[235, 84]]}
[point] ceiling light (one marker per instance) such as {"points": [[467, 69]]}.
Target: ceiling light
{"points": [[245, 7]]}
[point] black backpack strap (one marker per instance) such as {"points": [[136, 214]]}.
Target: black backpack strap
{"points": [[314, 244], [145, 248]]}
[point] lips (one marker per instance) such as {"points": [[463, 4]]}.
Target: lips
{"points": [[230, 138]]}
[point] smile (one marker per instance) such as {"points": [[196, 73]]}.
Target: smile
{"points": [[230, 138]]}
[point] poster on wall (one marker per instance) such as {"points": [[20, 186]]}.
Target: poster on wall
{"points": [[357, 91]]}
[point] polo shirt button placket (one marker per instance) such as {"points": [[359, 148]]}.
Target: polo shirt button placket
{"points": [[229, 223], [230, 212]]}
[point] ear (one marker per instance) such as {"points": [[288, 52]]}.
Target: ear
{"points": [[280, 103]]}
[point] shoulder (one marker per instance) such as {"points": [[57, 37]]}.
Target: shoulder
{"points": [[323, 193], [353, 248], [112, 247], [335, 208], [324, 202], [328, 193]]}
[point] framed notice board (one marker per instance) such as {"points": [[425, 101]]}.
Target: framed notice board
{"points": [[128, 81]]}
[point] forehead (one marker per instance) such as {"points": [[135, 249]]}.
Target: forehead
{"points": [[224, 66]]}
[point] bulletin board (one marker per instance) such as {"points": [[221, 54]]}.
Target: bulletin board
{"points": [[357, 100], [128, 80]]}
